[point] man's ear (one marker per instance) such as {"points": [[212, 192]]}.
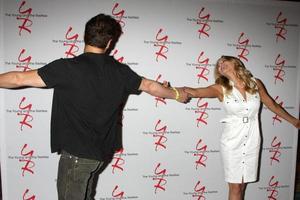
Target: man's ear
{"points": [[108, 45]]}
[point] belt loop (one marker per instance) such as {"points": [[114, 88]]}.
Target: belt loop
{"points": [[67, 154]]}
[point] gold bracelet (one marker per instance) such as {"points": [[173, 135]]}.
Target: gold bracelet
{"points": [[177, 93]]}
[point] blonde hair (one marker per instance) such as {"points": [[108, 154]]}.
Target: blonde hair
{"points": [[241, 72]]}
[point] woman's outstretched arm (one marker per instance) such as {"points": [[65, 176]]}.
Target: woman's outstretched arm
{"points": [[212, 91], [275, 107]]}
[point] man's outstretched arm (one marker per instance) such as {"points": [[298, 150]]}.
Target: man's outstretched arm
{"points": [[15, 79], [156, 89]]}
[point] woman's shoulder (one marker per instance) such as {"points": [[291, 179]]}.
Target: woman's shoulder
{"points": [[257, 81], [258, 84], [216, 86], [220, 90]]}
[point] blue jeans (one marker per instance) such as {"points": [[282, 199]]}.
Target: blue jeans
{"points": [[75, 177]]}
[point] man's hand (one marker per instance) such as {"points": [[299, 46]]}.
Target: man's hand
{"points": [[183, 96], [166, 84]]}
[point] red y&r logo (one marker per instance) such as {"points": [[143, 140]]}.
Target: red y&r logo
{"points": [[73, 48], [121, 59], [161, 42], [27, 23], [29, 164], [117, 194], [25, 60], [203, 22], [202, 67], [272, 190], [279, 72], [280, 27], [25, 112], [162, 139], [276, 117], [32, 197], [161, 181], [200, 190], [159, 99], [275, 150], [202, 112], [242, 47], [201, 154], [119, 15], [118, 161]]}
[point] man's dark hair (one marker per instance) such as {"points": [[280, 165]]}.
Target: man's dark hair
{"points": [[100, 29]]}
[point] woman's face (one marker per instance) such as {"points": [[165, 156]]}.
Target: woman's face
{"points": [[225, 67]]}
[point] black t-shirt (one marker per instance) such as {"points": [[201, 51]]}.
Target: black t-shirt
{"points": [[89, 91]]}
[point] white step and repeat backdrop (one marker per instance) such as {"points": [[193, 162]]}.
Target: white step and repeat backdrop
{"points": [[171, 150]]}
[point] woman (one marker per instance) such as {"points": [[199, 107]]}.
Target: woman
{"points": [[241, 95]]}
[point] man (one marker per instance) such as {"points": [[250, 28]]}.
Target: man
{"points": [[88, 92]]}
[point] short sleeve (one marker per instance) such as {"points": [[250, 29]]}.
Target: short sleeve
{"points": [[131, 80], [54, 73]]}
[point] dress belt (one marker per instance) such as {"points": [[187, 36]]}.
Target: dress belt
{"points": [[244, 119]]}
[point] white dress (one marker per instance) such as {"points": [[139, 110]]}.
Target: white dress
{"points": [[240, 139]]}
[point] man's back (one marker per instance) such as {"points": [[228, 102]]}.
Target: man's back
{"points": [[88, 92]]}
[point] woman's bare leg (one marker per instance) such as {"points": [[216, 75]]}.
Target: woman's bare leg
{"points": [[236, 191]]}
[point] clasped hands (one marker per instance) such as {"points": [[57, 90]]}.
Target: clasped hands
{"points": [[184, 97]]}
